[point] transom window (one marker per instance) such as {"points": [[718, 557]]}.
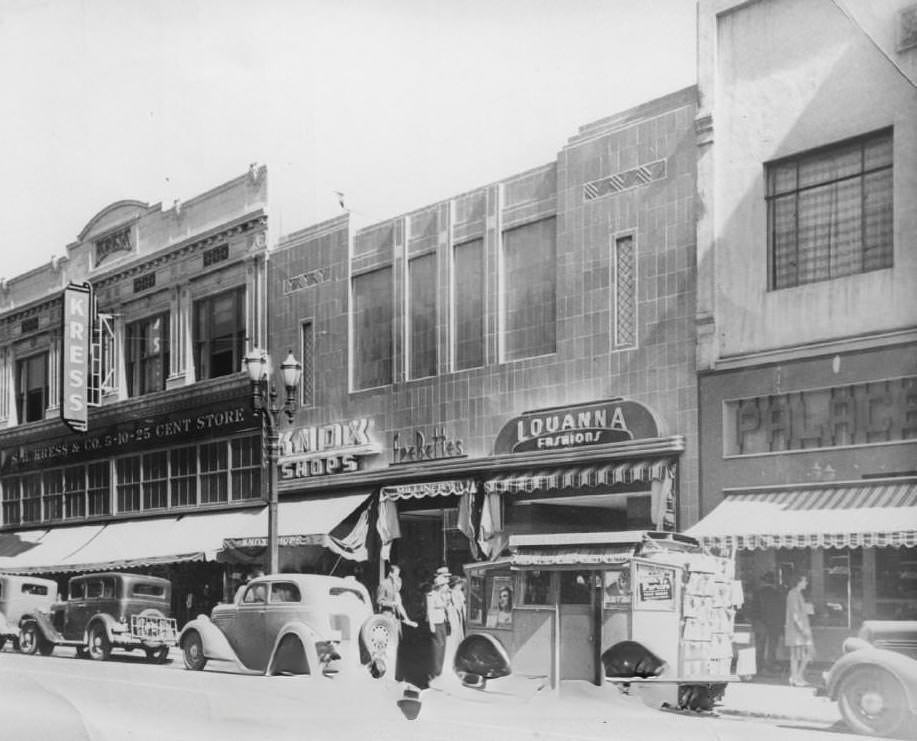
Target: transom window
{"points": [[829, 212]]}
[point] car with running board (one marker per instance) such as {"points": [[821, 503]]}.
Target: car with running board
{"points": [[104, 612]]}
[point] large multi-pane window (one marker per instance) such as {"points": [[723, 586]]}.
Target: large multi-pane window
{"points": [[183, 476], [155, 479], [219, 334], [373, 316], [468, 304], [422, 315], [246, 467], [12, 506], [32, 387], [74, 492], [147, 355], [528, 290], [98, 489], [829, 212], [214, 458], [53, 494]]}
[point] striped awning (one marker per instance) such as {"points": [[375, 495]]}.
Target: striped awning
{"points": [[623, 472], [854, 514], [429, 489], [573, 556]]}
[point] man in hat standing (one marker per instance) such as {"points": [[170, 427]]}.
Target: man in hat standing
{"points": [[438, 619]]}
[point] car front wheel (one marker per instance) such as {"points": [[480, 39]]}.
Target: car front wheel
{"points": [[99, 645], [29, 638], [193, 651], [873, 702]]}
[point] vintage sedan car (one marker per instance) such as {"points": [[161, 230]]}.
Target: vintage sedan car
{"points": [[104, 612], [875, 681], [293, 623], [20, 595]]}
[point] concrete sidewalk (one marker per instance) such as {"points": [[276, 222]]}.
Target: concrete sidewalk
{"points": [[773, 697]]}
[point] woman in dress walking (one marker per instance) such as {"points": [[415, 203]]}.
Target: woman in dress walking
{"points": [[798, 633]]}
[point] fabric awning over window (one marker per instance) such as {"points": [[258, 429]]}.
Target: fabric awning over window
{"points": [[52, 547], [856, 514], [623, 472], [429, 489]]}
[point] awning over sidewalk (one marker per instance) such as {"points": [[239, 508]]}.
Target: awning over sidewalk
{"points": [[853, 514], [583, 476], [52, 547], [149, 541]]}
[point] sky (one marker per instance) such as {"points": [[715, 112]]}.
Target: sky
{"points": [[395, 103]]}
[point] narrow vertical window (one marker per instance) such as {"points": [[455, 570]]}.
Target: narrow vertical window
{"points": [[74, 492], [529, 290], [147, 355], [32, 387], [53, 494], [214, 472], [156, 480], [373, 317], [625, 293], [307, 383], [128, 486], [183, 476], [98, 491], [422, 315], [468, 305], [12, 507], [246, 467]]}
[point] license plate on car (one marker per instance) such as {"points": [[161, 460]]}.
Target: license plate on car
{"points": [[148, 628]]}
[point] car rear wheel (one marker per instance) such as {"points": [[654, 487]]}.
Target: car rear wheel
{"points": [[99, 645], [873, 702], [29, 638], [193, 651]]}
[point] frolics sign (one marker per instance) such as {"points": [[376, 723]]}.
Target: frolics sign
{"points": [[77, 333], [326, 449], [598, 423]]}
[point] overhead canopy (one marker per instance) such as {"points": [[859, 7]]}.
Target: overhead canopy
{"points": [[853, 514], [191, 537], [582, 476]]}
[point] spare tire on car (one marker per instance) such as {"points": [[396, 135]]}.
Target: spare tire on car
{"points": [[631, 659]]}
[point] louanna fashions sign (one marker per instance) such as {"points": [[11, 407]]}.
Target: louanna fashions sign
{"points": [[598, 423], [75, 356]]}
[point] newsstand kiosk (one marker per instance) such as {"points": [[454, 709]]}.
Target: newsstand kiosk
{"points": [[564, 605]]}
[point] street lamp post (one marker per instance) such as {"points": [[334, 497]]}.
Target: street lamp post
{"points": [[264, 403]]}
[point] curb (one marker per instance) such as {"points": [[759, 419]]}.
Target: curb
{"points": [[770, 716]]}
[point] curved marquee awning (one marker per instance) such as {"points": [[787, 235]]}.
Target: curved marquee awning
{"points": [[429, 489], [581, 477], [854, 514]]}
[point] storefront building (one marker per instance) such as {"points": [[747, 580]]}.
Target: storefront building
{"points": [[518, 358], [807, 277], [126, 428]]}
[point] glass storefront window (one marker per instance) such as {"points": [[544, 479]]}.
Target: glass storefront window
{"points": [[896, 584], [576, 587], [476, 600]]}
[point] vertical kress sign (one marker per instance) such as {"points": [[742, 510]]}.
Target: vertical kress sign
{"points": [[75, 356]]}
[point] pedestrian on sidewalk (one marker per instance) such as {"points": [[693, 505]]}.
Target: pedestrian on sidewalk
{"points": [[438, 599], [798, 633], [770, 616]]}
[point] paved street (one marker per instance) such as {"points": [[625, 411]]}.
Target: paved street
{"points": [[65, 698]]}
